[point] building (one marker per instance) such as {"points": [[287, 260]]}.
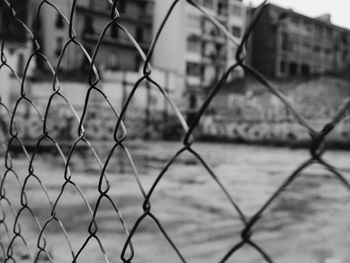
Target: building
{"points": [[285, 43], [14, 32], [192, 46], [16, 48], [116, 51], [199, 50]]}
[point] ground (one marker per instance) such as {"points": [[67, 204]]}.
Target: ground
{"points": [[308, 222]]}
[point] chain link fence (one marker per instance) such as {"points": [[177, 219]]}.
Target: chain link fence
{"points": [[12, 231]]}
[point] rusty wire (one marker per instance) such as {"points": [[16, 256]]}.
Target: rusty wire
{"points": [[13, 230]]}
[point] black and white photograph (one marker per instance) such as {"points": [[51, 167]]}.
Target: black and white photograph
{"points": [[174, 131]]}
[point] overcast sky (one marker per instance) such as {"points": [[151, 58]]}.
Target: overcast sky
{"points": [[339, 9]]}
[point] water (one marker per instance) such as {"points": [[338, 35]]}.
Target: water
{"points": [[308, 221]]}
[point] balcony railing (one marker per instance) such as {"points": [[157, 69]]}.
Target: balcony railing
{"points": [[144, 18], [107, 40]]}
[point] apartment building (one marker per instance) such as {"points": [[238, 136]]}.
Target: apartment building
{"points": [[16, 47], [91, 16], [285, 43], [194, 47], [14, 32], [16, 43]]}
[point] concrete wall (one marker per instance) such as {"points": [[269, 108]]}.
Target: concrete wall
{"points": [[250, 113], [100, 119]]}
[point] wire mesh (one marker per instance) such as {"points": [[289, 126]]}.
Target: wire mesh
{"points": [[13, 229]]}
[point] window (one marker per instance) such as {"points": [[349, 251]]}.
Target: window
{"points": [[236, 31], [295, 21], [193, 101], [59, 46], [139, 34], [193, 44], [283, 66], [219, 51], [284, 41], [20, 64], [121, 6], [329, 33], [345, 55], [88, 25], [222, 8], [282, 16], [317, 48], [293, 68], [59, 21], [318, 30], [294, 44], [308, 27], [344, 39], [208, 27], [142, 7], [113, 61], [317, 69], [306, 46], [237, 10], [305, 69], [193, 69], [138, 62], [208, 4], [114, 31]]}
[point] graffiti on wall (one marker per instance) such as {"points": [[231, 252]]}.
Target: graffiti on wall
{"points": [[265, 131], [99, 124]]}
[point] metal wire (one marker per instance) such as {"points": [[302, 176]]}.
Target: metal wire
{"points": [[13, 231]]}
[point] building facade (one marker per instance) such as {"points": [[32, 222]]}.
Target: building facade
{"points": [[285, 43], [192, 46], [14, 32], [16, 48], [116, 51]]}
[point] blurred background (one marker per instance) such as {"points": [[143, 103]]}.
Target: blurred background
{"points": [[59, 117]]}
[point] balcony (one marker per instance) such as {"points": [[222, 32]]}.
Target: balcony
{"points": [[120, 41], [223, 10], [193, 80], [214, 52], [137, 18], [210, 37]]}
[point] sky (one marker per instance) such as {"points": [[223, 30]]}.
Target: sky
{"points": [[339, 9]]}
